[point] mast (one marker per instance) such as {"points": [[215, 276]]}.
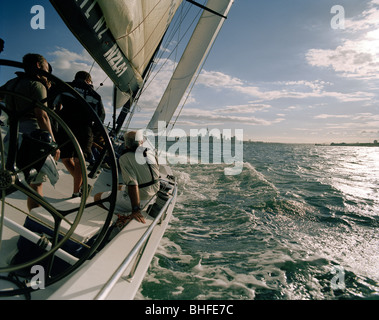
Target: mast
{"points": [[123, 101], [193, 57]]}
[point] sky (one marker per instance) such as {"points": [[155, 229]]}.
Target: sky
{"points": [[294, 71]]}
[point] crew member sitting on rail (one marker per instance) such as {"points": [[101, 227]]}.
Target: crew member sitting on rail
{"points": [[140, 173]]}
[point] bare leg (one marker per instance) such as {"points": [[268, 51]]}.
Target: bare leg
{"points": [[30, 202], [78, 178], [69, 164], [73, 166], [97, 197]]}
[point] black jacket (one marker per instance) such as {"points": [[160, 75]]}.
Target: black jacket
{"points": [[91, 96]]}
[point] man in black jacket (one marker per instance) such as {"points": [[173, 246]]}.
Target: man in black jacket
{"points": [[80, 121]]}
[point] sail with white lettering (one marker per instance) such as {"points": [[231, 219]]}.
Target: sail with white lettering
{"points": [[197, 49], [121, 35]]}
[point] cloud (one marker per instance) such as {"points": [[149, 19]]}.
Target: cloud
{"points": [[353, 59], [314, 86], [301, 89], [156, 85], [368, 122], [358, 54], [66, 64], [262, 94], [218, 80], [202, 116], [244, 109], [328, 116], [261, 97], [366, 21]]}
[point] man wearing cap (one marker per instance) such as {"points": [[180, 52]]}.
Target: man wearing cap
{"points": [[140, 173]]}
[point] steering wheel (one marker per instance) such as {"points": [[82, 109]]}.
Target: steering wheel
{"points": [[15, 179]]}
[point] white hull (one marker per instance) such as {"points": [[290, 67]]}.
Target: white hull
{"points": [[88, 280]]}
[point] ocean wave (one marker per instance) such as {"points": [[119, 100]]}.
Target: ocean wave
{"points": [[278, 230]]}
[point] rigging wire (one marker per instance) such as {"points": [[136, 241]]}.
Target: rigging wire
{"points": [[102, 83], [148, 80], [93, 64], [148, 37], [192, 86], [196, 18], [172, 51], [175, 29]]}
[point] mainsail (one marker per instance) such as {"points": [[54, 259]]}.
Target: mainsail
{"points": [[121, 35], [193, 57], [124, 35]]}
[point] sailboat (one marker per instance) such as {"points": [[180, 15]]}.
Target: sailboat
{"points": [[82, 254]]}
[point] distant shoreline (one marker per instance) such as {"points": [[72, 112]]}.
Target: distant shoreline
{"points": [[343, 144], [333, 144]]}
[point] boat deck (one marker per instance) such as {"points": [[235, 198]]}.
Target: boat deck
{"points": [[87, 281]]}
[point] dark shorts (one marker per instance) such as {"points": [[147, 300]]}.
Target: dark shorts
{"points": [[85, 140]]}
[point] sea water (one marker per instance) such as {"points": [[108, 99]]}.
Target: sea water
{"points": [[299, 222]]}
